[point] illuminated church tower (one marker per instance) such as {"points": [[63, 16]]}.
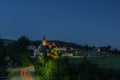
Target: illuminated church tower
{"points": [[44, 43]]}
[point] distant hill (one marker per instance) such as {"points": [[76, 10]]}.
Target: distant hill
{"points": [[59, 43], [63, 43], [8, 41]]}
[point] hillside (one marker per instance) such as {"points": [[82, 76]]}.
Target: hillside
{"points": [[8, 41]]}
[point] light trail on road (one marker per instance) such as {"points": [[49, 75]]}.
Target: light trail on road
{"points": [[25, 75]]}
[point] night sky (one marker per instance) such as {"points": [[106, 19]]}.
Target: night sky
{"points": [[92, 22]]}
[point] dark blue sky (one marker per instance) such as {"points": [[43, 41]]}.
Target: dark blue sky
{"points": [[92, 22]]}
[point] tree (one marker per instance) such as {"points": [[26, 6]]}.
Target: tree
{"points": [[39, 64], [23, 43], [56, 70], [3, 60], [87, 48], [50, 70], [109, 46], [18, 51], [2, 52]]}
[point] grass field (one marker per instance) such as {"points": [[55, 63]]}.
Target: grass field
{"points": [[104, 62]]}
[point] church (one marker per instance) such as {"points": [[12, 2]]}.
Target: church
{"points": [[47, 43]]}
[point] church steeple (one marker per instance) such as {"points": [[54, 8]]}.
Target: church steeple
{"points": [[44, 43]]}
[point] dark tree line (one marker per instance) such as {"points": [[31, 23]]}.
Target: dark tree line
{"points": [[110, 49], [14, 55], [3, 59], [18, 51]]}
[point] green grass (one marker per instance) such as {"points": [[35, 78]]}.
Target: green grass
{"points": [[75, 59], [103, 62], [106, 62]]}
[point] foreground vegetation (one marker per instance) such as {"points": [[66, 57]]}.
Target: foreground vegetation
{"points": [[67, 68]]}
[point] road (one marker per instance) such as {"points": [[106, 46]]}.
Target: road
{"points": [[26, 73]]}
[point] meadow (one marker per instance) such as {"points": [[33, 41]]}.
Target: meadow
{"points": [[103, 62]]}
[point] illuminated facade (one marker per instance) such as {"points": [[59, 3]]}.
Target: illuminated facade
{"points": [[44, 42], [47, 43]]}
